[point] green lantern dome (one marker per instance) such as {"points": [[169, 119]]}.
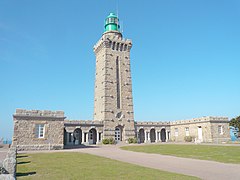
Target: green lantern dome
{"points": [[111, 23]]}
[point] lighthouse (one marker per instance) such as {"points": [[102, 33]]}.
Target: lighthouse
{"points": [[113, 101]]}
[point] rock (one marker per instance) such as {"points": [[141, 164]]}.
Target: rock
{"points": [[10, 165]]}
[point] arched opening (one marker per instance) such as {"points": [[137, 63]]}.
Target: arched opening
{"points": [[77, 136], [118, 134], [163, 135], [152, 135], [92, 136], [141, 136]]}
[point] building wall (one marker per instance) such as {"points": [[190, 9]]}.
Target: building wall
{"points": [[57, 130], [208, 126], [220, 137], [156, 127], [25, 137], [193, 131], [85, 127]]}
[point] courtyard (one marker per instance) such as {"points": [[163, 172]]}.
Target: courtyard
{"points": [[112, 162]]}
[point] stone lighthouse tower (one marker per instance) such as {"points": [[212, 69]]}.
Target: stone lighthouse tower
{"points": [[113, 103]]}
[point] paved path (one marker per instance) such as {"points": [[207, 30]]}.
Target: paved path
{"points": [[199, 168], [207, 170]]}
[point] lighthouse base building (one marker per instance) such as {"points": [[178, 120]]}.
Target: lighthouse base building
{"points": [[113, 110]]}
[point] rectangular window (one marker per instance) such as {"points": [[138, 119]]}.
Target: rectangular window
{"points": [[99, 137], [220, 129], [176, 131], [39, 130], [187, 131]]}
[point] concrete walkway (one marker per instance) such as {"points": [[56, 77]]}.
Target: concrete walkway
{"points": [[199, 168]]}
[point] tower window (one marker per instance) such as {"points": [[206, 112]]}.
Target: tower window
{"points": [[125, 47], [121, 47], [110, 43], [113, 46], [117, 46]]}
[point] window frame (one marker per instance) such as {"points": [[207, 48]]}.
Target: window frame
{"points": [[176, 132], [40, 131], [220, 129]]}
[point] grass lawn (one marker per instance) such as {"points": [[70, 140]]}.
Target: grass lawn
{"points": [[70, 165], [226, 154]]}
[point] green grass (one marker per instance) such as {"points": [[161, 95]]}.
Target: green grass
{"points": [[226, 154], [69, 165]]}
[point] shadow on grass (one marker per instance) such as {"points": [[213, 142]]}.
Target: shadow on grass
{"points": [[24, 162], [22, 156], [79, 146], [25, 174]]}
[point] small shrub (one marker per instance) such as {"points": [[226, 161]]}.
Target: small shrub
{"points": [[105, 141], [188, 138], [108, 141], [132, 140], [111, 141]]}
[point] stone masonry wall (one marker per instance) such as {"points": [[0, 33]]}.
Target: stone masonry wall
{"points": [[25, 122], [209, 128], [220, 137], [113, 101]]}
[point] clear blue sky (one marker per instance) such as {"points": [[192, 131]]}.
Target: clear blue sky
{"points": [[185, 58]]}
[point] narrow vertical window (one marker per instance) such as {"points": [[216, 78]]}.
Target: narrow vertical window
{"points": [[113, 46], [110, 43], [39, 130], [125, 47], [187, 131], [176, 131], [121, 47], [220, 130], [117, 46], [118, 83]]}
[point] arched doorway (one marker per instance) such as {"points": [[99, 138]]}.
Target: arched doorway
{"points": [[77, 136], [152, 135], [92, 136], [118, 134], [141, 136], [163, 135]]}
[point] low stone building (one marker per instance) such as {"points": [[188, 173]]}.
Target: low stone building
{"points": [[205, 129], [38, 130], [46, 130], [113, 109]]}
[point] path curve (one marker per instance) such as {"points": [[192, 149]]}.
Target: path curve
{"points": [[203, 169]]}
